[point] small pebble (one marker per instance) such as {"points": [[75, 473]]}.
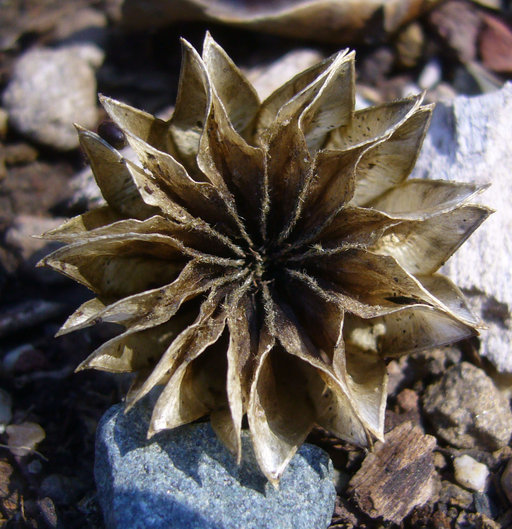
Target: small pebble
{"points": [[430, 75], [19, 154], [470, 473], [409, 45], [442, 92], [439, 460], [48, 511], [35, 466], [23, 438], [455, 496], [22, 238], [407, 400], [410, 89], [23, 359], [483, 505]]}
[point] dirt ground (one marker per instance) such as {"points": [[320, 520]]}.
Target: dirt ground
{"points": [[52, 485]]}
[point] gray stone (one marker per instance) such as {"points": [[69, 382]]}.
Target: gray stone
{"points": [[467, 410], [48, 92], [469, 141], [185, 478]]}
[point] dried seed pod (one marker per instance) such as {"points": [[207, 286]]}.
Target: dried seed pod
{"points": [[267, 257]]}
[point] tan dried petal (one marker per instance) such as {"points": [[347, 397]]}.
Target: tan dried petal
{"points": [[390, 161], [422, 247], [265, 258]]}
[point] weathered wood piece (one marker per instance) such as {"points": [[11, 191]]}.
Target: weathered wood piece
{"points": [[397, 476]]}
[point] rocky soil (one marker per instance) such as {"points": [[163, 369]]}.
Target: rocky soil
{"points": [[447, 462]]}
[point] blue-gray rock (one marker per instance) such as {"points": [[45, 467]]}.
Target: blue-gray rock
{"points": [[185, 478]]}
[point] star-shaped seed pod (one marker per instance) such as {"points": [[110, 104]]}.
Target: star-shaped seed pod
{"points": [[265, 258]]}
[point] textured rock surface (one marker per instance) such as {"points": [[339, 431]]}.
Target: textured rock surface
{"points": [[48, 92], [467, 410], [469, 141], [185, 479]]}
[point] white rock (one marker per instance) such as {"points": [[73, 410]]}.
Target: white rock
{"points": [[470, 473], [48, 92], [469, 141], [430, 75], [410, 89]]}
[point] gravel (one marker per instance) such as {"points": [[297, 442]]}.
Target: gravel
{"points": [[466, 409]]}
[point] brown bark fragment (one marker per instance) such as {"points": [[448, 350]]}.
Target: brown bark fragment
{"points": [[397, 476]]}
